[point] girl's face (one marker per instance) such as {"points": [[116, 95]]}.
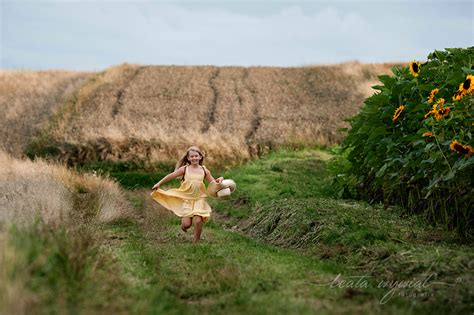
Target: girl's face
{"points": [[194, 157]]}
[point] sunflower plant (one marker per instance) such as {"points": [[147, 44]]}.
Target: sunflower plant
{"points": [[411, 143]]}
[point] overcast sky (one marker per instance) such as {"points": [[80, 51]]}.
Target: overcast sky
{"points": [[93, 35]]}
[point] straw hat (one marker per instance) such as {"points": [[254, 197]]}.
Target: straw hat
{"points": [[222, 189]]}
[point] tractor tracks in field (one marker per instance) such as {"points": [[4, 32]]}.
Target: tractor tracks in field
{"points": [[122, 92], [256, 118], [210, 116]]}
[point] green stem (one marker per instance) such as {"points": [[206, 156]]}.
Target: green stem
{"points": [[450, 168], [444, 156]]}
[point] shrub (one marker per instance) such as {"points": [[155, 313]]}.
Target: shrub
{"points": [[411, 144]]}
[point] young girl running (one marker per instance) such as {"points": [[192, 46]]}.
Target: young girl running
{"points": [[187, 201]]}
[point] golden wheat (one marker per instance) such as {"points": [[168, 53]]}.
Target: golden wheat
{"points": [[153, 113], [28, 99]]}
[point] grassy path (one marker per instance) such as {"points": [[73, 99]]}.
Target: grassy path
{"points": [[280, 239], [276, 247], [227, 273]]}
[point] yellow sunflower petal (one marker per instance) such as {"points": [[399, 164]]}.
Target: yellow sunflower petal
{"points": [[415, 68], [432, 94], [397, 113]]}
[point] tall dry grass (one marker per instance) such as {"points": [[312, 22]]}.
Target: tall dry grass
{"points": [[153, 113], [47, 219], [54, 194]]}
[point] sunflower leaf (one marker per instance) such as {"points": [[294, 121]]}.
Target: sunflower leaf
{"points": [[463, 163], [429, 146], [467, 70], [381, 171], [430, 161], [449, 176]]}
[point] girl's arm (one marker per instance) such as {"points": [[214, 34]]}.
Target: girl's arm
{"points": [[170, 176], [210, 178]]}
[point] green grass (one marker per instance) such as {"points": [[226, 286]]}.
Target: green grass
{"points": [[229, 273], [283, 174], [289, 200], [63, 268], [270, 248], [139, 263], [129, 174]]}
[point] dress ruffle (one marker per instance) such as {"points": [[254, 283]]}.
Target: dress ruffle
{"points": [[187, 200]]}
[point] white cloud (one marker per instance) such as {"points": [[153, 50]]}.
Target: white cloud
{"points": [[93, 36]]}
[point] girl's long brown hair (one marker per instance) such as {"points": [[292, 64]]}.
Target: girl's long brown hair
{"points": [[184, 159]]}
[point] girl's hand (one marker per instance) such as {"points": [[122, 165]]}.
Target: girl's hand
{"points": [[157, 186]]}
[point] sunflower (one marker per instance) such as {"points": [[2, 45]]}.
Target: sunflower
{"points": [[415, 68], [464, 88], [432, 94], [468, 85], [457, 96], [442, 112], [461, 149], [433, 110], [428, 134], [397, 113]]}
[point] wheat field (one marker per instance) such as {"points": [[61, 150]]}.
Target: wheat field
{"points": [[153, 113], [27, 101]]}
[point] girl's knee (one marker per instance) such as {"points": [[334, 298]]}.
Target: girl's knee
{"points": [[186, 222], [197, 219]]}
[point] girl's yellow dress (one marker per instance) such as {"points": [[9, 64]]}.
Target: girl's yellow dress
{"points": [[187, 200]]}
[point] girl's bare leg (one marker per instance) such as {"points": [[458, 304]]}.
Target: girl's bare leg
{"points": [[197, 227], [186, 223]]}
